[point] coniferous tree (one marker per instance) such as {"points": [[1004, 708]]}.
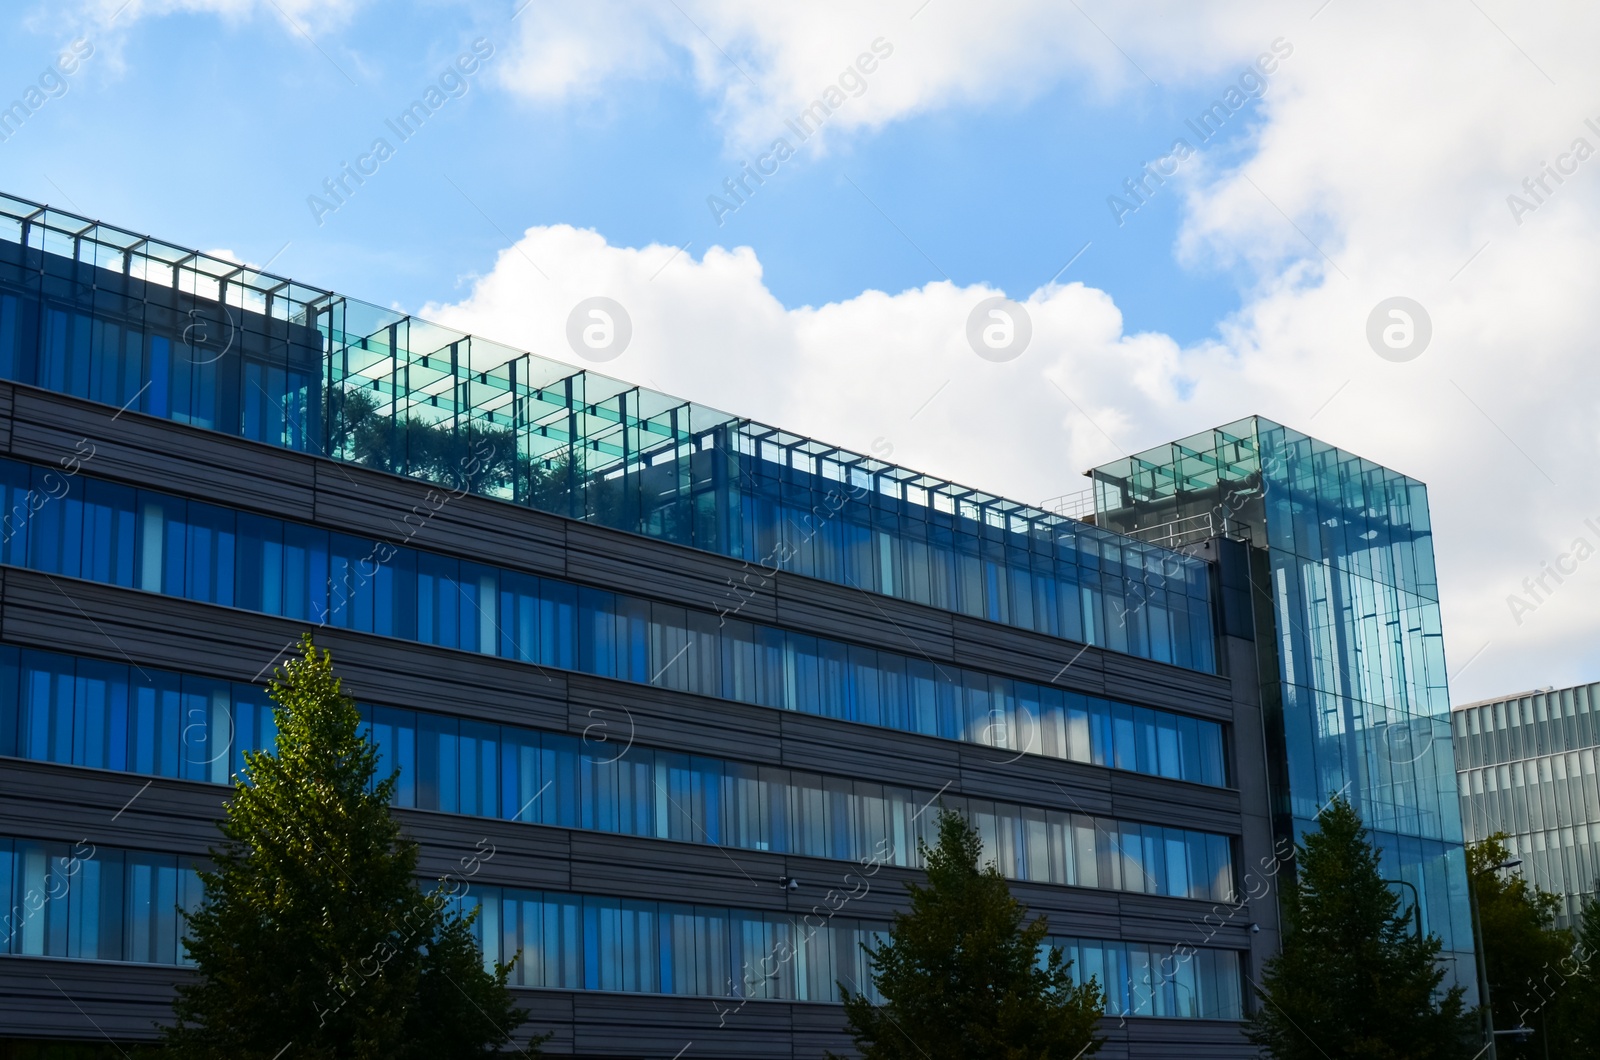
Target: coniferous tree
{"points": [[1523, 952], [960, 974], [314, 937], [1354, 979]]}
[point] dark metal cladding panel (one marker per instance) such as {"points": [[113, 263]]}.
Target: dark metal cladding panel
{"points": [[1153, 684], [619, 1025], [865, 618], [404, 511], [1190, 1039], [159, 454], [1175, 803], [399, 673], [484, 850], [613, 715], [819, 1030], [688, 577], [68, 615], [8, 395], [44, 801], [44, 997], [1034, 780], [1177, 922], [1034, 657], [884, 755], [632, 867]]}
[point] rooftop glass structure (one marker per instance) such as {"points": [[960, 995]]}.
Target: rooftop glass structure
{"points": [[105, 314], [1347, 633], [1527, 767]]}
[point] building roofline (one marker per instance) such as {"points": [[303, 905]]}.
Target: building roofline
{"points": [[1546, 691]]}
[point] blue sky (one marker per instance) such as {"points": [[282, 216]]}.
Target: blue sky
{"points": [[213, 131], [976, 161]]}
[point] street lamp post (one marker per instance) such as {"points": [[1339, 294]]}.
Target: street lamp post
{"points": [[1416, 902], [1483, 970]]}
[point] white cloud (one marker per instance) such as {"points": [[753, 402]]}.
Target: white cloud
{"points": [[762, 64], [1391, 139]]}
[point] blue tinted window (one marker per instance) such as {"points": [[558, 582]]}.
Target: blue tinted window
{"points": [[81, 526]]}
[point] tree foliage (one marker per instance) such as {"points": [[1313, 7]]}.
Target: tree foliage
{"points": [[1353, 978], [1575, 1019], [478, 457], [1523, 952], [960, 973], [314, 933]]}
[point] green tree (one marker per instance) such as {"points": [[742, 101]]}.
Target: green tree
{"points": [[314, 932], [1523, 951], [1576, 1018], [960, 974], [1354, 979]]}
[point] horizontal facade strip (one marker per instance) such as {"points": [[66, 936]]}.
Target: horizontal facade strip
{"points": [[134, 448], [398, 509], [55, 803], [74, 710], [119, 904], [54, 613], [90, 1000], [82, 526], [372, 503]]}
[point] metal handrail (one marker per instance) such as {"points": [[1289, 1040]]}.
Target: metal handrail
{"points": [[1192, 529]]}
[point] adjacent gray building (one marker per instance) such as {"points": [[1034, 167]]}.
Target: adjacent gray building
{"points": [[1526, 767]]}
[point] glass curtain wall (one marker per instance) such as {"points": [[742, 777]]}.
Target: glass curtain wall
{"points": [[1529, 766], [85, 527], [74, 900], [89, 310], [110, 715], [1353, 662]]}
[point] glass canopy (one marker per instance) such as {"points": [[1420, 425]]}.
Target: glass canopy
{"points": [[95, 311]]}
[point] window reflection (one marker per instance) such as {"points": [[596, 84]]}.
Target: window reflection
{"points": [[87, 712], [204, 552]]}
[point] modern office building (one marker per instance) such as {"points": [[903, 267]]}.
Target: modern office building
{"points": [[663, 675], [1335, 553], [1526, 766]]}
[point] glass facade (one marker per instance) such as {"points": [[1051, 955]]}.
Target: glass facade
{"points": [[1526, 766], [1340, 568], [84, 527], [73, 900], [93, 311], [111, 715]]}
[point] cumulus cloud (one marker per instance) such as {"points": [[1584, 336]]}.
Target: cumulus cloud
{"points": [[874, 372], [764, 64], [1381, 163]]}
